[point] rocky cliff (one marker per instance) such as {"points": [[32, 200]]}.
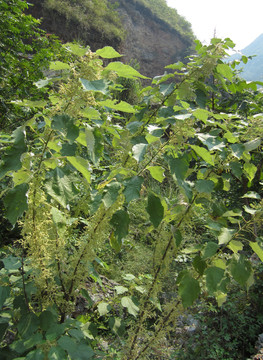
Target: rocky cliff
{"points": [[152, 42]]}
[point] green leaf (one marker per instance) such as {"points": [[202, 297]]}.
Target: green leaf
{"points": [[108, 53], [210, 250], [27, 325], [252, 195], [189, 290], [132, 188], [93, 139], [47, 319], [204, 186], [237, 150], [225, 71], [235, 246], [212, 142], [120, 289], [249, 210], [65, 124], [122, 106], [241, 270], [61, 187], [204, 154], [123, 70], [120, 222], [225, 236], [76, 49], [57, 353], [58, 65], [55, 331], [178, 168], [103, 308], [214, 275], [111, 193], [101, 86], [11, 263], [230, 137], [67, 343], [117, 325], [4, 294], [58, 217], [155, 209], [236, 169], [257, 249], [115, 243], [90, 113], [139, 151], [250, 170], [177, 236], [35, 355], [82, 165], [199, 264], [16, 202], [157, 172], [34, 340], [79, 351], [201, 114], [11, 159], [252, 145], [128, 303]]}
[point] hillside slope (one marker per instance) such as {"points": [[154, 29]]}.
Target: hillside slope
{"points": [[143, 30], [253, 70]]}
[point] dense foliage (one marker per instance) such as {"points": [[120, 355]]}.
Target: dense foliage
{"points": [[100, 15], [25, 51], [169, 15], [130, 212]]}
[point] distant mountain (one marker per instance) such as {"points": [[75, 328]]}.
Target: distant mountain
{"points": [[253, 70]]}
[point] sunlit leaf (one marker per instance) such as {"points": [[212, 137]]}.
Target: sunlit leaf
{"points": [[157, 172], [61, 188], [250, 170], [95, 85], [128, 302], [124, 70], [82, 165], [252, 145], [225, 236], [103, 308], [252, 195], [204, 154], [108, 53], [120, 289], [257, 249], [122, 106], [235, 246], [139, 150], [225, 71], [59, 65]]}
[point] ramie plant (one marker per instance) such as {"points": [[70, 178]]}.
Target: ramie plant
{"points": [[75, 170]]}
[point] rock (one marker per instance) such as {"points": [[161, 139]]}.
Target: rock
{"points": [[150, 41]]}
